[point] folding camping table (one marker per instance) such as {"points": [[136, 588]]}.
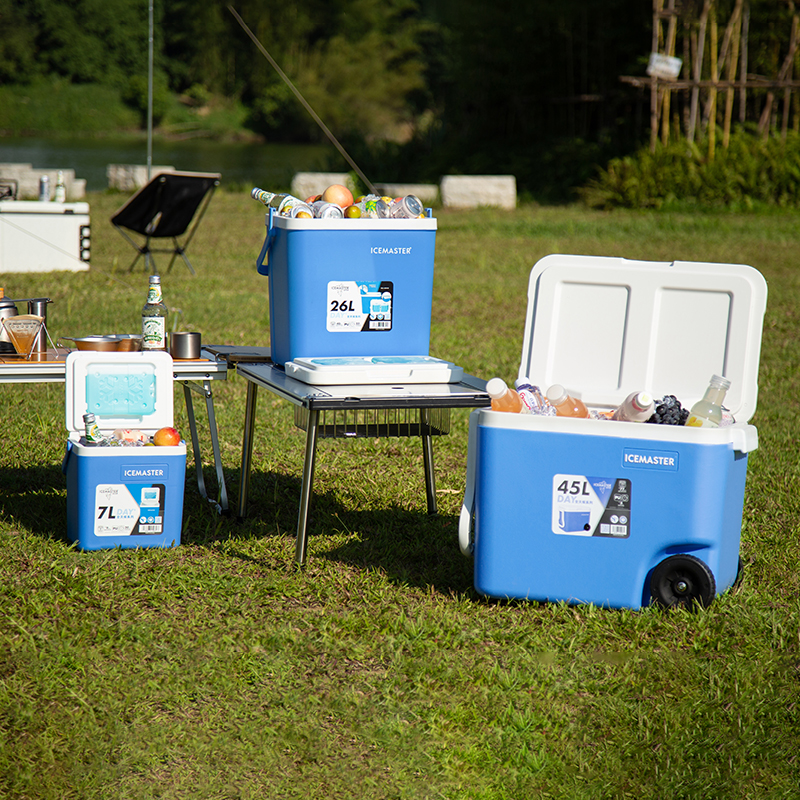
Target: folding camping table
{"points": [[195, 376], [346, 412]]}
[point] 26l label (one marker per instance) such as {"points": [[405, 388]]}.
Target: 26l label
{"points": [[588, 506], [355, 306]]}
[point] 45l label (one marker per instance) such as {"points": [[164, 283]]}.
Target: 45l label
{"points": [[588, 506]]}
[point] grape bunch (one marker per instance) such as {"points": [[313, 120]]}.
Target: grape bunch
{"points": [[668, 411]]}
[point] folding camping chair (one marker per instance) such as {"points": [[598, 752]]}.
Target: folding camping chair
{"points": [[164, 209]]}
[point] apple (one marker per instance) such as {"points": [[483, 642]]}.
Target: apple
{"points": [[336, 193], [166, 437], [313, 198]]}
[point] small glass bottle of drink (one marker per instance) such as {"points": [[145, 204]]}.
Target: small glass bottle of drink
{"points": [[60, 191], [92, 434], [284, 204], [503, 398], [154, 318], [564, 404], [707, 412]]}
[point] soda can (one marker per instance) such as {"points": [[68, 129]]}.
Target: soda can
{"points": [[408, 207], [323, 210], [44, 188]]}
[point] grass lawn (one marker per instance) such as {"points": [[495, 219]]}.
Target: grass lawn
{"points": [[218, 670]]}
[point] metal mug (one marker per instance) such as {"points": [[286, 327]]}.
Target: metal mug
{"points": [[38, 307], [183, 345]]}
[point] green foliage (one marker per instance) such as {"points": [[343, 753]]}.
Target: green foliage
{"points": [[136, 91], [750, 172]]}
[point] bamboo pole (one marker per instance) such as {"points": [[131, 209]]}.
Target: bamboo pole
{"points": [[712, 111], [745, 34], [697, 68], [669, 49], [654, 103], [787, 92], [734, 29]]}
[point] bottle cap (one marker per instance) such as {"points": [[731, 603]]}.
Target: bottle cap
{"points": [[720, 382], [496, 388], [642, 400], [556, 394], [523, 381]]}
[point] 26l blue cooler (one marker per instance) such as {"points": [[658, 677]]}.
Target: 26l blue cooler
{"points": [[122, 496], [619, 513], [348, 287]]}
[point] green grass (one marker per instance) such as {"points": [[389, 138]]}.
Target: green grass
{"points": [[217, 670]]}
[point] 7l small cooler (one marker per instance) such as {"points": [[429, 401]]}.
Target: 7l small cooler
{"points": [[348, 287], [619, 514], [122, 496]]}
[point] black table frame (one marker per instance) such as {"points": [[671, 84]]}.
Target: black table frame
{"points": [[468, 393]]}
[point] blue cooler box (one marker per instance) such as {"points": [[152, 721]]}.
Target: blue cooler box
{"points": [[122, 496], [619, 514], [348, 287]]}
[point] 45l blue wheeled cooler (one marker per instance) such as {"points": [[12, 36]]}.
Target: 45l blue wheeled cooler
{"points": [[619, 514]]}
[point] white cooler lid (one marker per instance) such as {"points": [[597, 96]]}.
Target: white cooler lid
{"points": [[122, 390], [605, 327]]}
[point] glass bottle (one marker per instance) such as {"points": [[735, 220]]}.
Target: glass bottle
{"points": [[707, 412], [154, 318], [637, 407], [503, 398], [564, 404], [93, 436], [284, 204], [60, 191]]}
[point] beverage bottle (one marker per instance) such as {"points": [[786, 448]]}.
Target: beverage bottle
{"points": [[93, 436], [637, 407], [154, 318], [44, 189], [408, 207], [503, 398], [707, 412], [531, 396], [60, 191], [284, 204], [564, 404]]}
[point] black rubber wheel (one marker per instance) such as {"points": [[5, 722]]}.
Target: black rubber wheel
{"points": [[681, 582]]}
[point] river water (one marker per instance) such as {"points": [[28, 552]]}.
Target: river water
{"points": [[265, 165]]}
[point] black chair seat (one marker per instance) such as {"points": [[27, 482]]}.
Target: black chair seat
{"points": [[165, 209]]}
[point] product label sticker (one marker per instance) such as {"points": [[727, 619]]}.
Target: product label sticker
{"points": [[355, 306], [121, 510], [589, 506]]}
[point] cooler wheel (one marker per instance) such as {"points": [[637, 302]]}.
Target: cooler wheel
{"points": [[681, 581]]}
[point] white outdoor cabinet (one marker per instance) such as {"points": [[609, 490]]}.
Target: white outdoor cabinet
{"points": [[43, 237]]}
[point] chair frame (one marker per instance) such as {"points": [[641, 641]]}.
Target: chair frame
{"points": [[178, 248]]}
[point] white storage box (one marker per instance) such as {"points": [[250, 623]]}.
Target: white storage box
{"points": [[617, 513], [43, 237]]}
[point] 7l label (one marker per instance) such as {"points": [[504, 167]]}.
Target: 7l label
{"points": [[117, 512], [590, 506]]}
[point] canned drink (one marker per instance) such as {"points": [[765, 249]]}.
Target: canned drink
{"points": [[323, 210], [44, 188], [408, 207]]}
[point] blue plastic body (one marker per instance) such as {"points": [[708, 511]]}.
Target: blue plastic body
{"points": [[391, 267], [689, 502], [131, 498]]}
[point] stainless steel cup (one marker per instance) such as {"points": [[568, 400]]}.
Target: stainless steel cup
{"points": [[38, 307], [184, 345]]}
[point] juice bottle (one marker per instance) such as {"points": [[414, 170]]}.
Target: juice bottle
{"points": [[707, 412], [564, 404], [503, 398]]}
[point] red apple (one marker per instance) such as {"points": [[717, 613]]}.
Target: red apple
{"points": [[166, 437]]}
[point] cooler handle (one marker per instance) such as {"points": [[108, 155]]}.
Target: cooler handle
{"points": [[468, 506], [262, 262], [67, 454]]}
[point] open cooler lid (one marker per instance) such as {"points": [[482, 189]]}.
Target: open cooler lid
{"points": [[122, 390], [606, 327]]}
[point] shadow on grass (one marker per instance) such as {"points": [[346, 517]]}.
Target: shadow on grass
{"points": [[410, 547], [35, 498]]}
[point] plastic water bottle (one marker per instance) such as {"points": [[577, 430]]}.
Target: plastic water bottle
{"points": [[533, 400], [503, 398], [564, 404], [707, 412], [637, 407]]}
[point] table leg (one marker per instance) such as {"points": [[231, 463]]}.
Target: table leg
{"points": [[188, 387], [247, 447], [427, 459], [305, 491]]}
